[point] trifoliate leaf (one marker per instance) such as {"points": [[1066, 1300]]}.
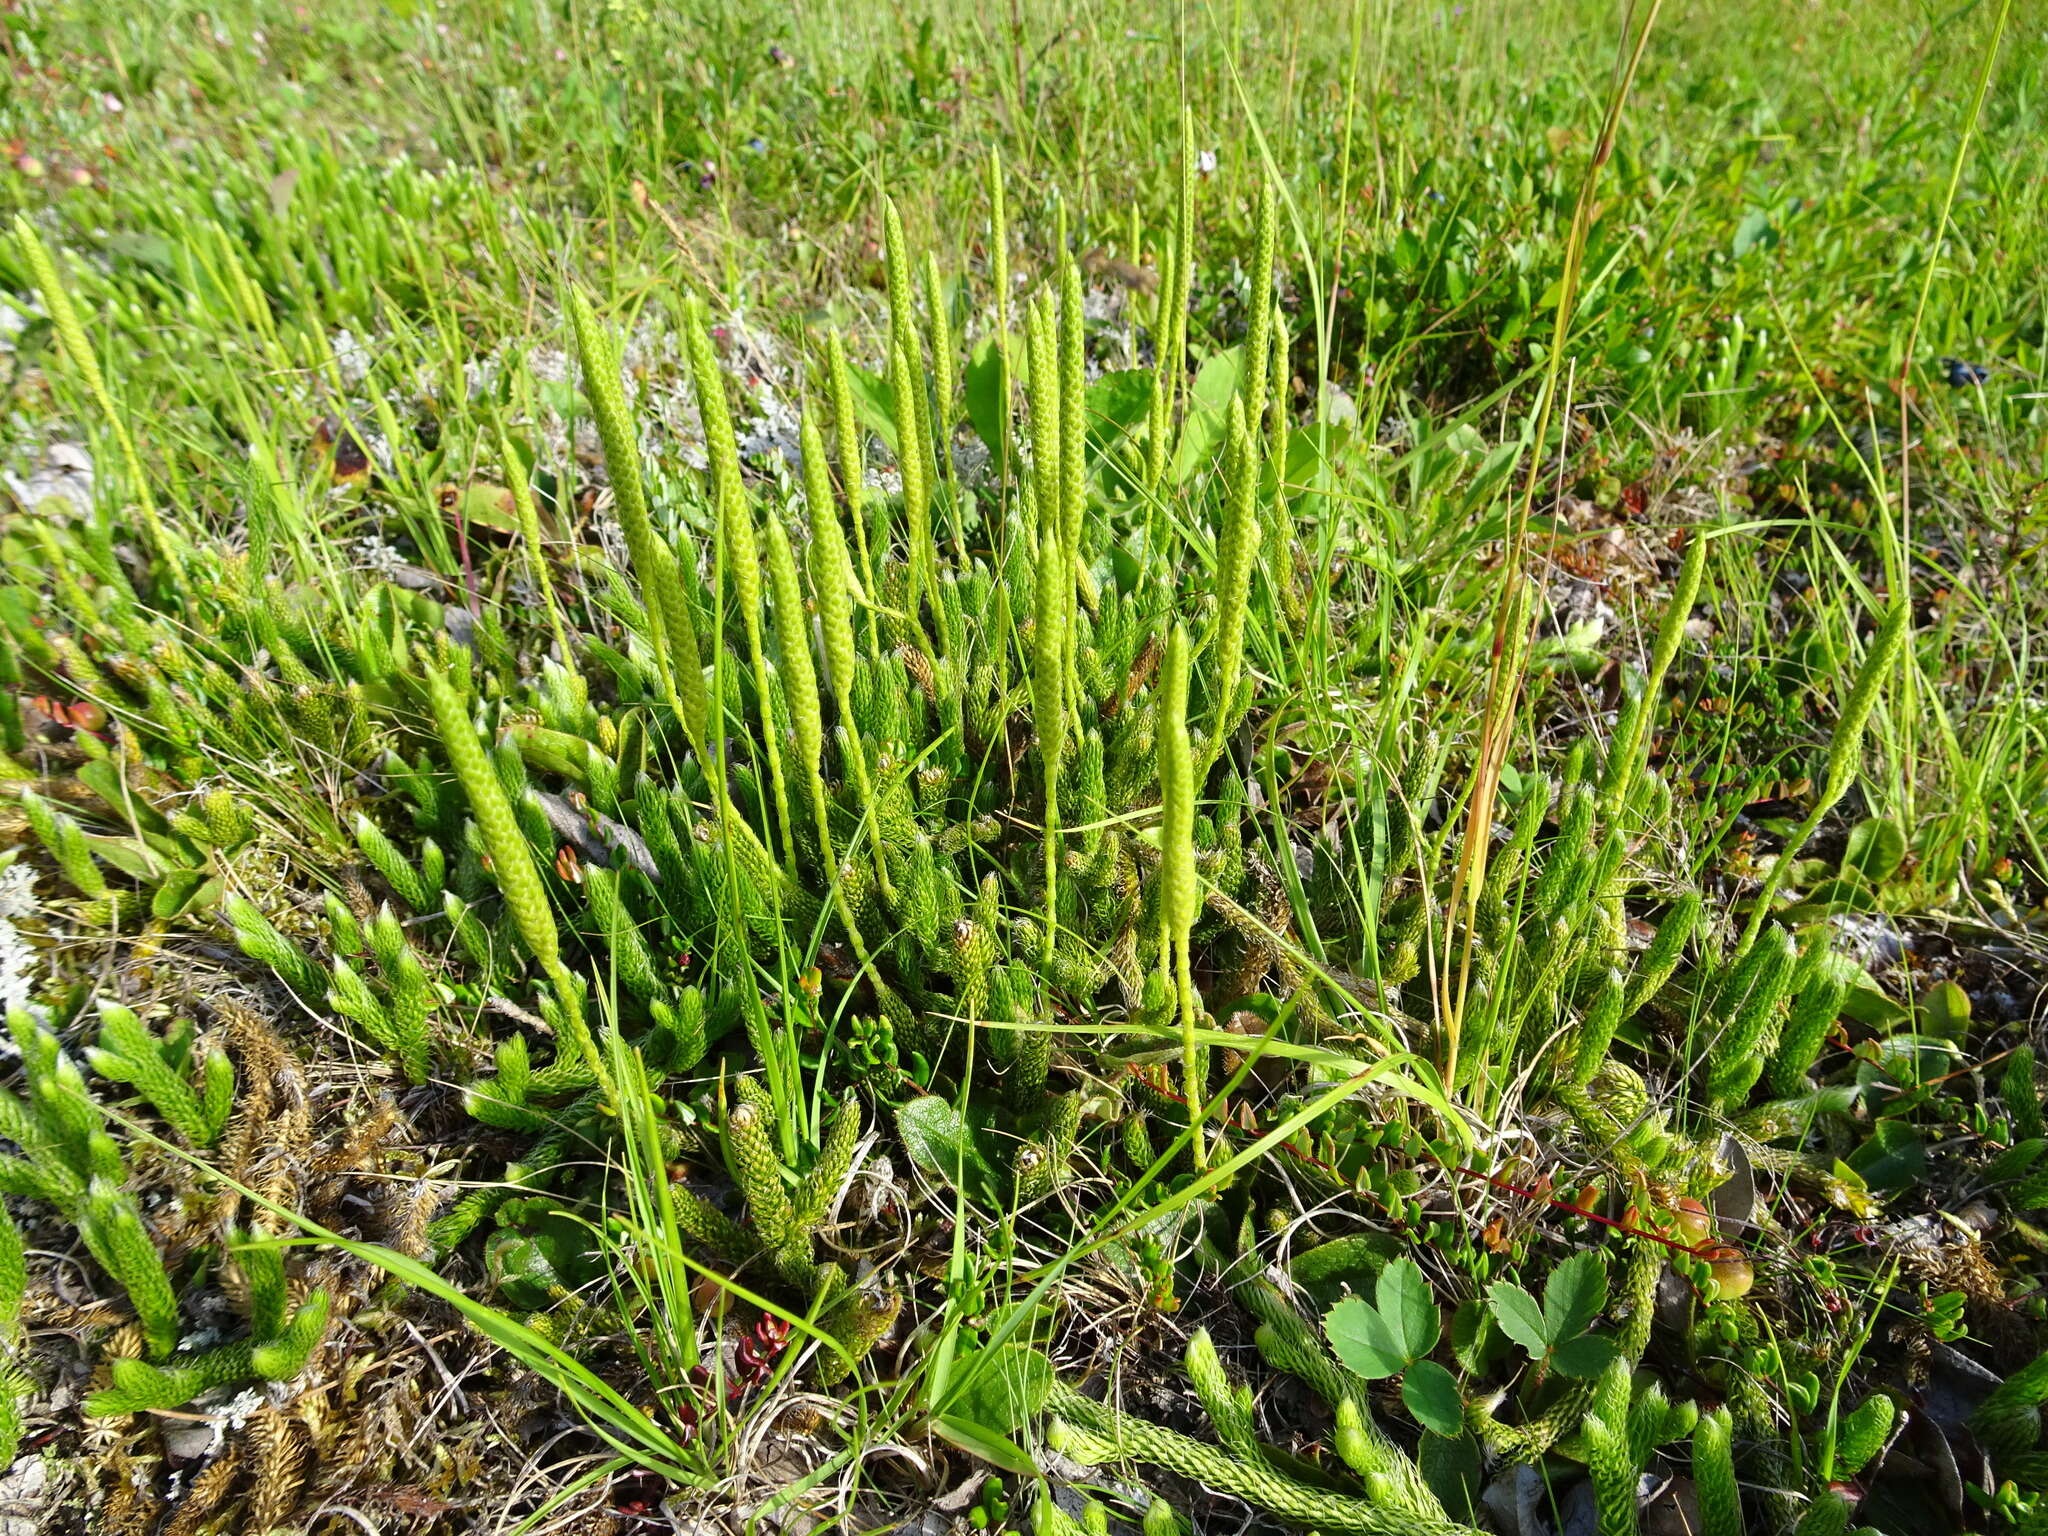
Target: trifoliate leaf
{"points": [[1362, 1340], [1408, 1308], [1431, 1393], [1519, 1317], [1574, 1295], [1587, 1355]]}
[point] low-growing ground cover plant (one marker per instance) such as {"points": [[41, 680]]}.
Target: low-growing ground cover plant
{"points": [[1314, 802]]}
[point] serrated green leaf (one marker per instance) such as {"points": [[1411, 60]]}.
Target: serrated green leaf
{"points": [[1407, 1307], [1431, 1393], [1587, 1355], [1574, 1295], [1519, 1317], [1362, 1340]]}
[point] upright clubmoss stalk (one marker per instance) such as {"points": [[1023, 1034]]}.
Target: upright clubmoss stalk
{"points": [[832, 580], [1169, 329], [1184, 261], [1073, 483], [926, 579], [852, 456], [913, 414], [1048, 705], [944, 383], [907, 386], [1713, 1474], [1043, 388], [1258, 337], [1179, 893], [128, 1052], [1818, 992], [1279, 512], [800, 688], [1236, 549], [536, 563], [1073, 381], [670, 631], [78, 352], [1625, 759], [1845, 753], [1614, 1475], [1277, 379], [831, 572], [999, 278], [742, 549], [511, 859], [896, 269], [799, 677]]}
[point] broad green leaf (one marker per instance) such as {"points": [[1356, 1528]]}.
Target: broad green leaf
{"points": [[1362, 1340], [481, 505], [130, 855], [874, 402], [1431, 1394], [1846, 892], [531, 1266], [1574, 1295], [1867, 1003], [1519, 1317], [1407, 1307], [1755, 230], [998, 1450], [1003, 1390], [1876, 848], [1587, 1355], [1945, 1011], [1493, 470], [1846, 1190], [184, 890], [1892, 1158], [1911, 1059], [1313, 453], [103, 777], [1208, 414], [1474, 1338], [1455, 1471], [1802, 1391], [983, 384], [941, 1144], [1117, 403]]}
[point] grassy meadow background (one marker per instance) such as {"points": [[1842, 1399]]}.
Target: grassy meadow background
{"points": [[1198, 766]]}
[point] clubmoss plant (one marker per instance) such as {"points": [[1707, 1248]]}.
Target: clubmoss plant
{"points": [[1179, 887], [159, 1069], [1845, 753], [511, 862], [79, 353]]}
